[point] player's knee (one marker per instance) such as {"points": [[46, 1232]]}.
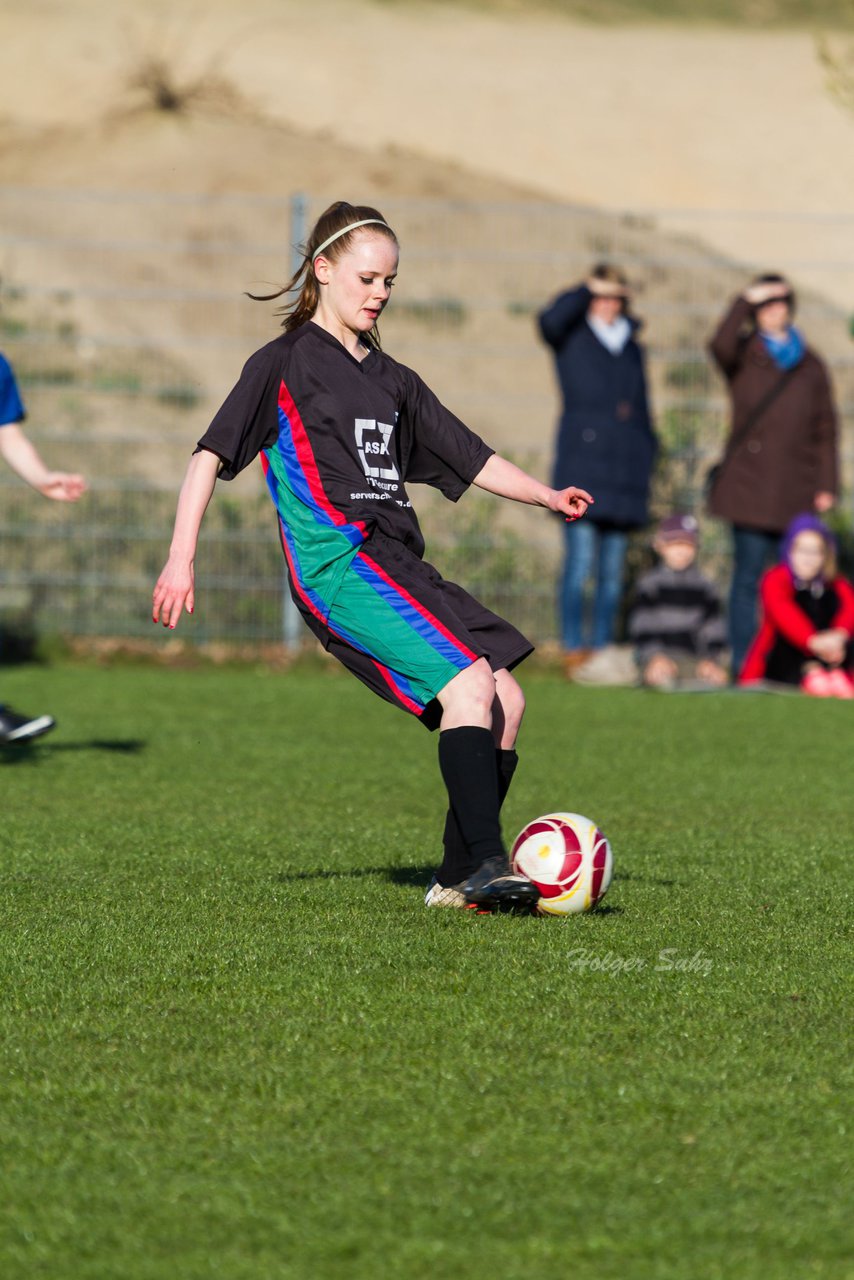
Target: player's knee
{"points": [[513, 703], [472, 691], [519, 704], [481, 685], [509, 692]]}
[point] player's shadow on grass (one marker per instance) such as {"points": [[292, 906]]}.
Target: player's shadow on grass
{"points": [[36, 752], [400, 875], [408, 877]]}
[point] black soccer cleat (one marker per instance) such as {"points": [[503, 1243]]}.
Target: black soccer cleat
{"points": [[16, 728], [497, 888]]}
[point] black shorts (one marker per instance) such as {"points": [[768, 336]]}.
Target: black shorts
{"points": [[405, 631]]}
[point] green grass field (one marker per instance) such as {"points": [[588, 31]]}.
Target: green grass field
{"points": [[234, 1044]]}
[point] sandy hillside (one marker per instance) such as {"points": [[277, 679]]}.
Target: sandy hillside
{"points": [[620, 118]]}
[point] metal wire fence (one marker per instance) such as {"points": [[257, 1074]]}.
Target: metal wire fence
{"points": [[127, 322]]}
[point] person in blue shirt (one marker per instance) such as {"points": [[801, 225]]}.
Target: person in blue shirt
{"points": [[23, 458]]}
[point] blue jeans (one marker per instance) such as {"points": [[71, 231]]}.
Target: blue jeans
{"points": [[587, 543], [753, 551]]}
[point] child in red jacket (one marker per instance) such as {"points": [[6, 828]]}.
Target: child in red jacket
{"points": [[805, 637]]}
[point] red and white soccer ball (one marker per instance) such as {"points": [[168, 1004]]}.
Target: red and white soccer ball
{"points": [[568, 859]]}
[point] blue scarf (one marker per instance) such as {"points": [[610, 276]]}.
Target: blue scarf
{"points": [[785, 352]]}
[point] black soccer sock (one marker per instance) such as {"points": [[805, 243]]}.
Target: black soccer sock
{"points": [[456, 864], [506, 761], [466, 764]]}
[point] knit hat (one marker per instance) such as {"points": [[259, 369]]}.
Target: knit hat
{"points": [[678, 528], [805, 523]]}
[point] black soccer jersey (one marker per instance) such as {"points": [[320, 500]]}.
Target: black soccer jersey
{"points": [[339, 439]]}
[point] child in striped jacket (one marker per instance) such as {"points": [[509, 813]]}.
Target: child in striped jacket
{"points": [[676, 622]]}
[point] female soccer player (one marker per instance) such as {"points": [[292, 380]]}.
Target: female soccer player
{"points": [[341, 427]]}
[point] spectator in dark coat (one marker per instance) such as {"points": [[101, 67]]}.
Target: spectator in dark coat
{"points": [[606, 440], [781, 459]]}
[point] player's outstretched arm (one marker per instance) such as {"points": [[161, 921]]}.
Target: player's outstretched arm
{"points": [[175, 586], [24, 459], [509, 481]]}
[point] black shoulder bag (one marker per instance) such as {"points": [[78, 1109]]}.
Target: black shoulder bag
{"points": [[749, 423]]}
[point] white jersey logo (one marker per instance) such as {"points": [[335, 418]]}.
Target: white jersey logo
{"points": [[372, 440]]}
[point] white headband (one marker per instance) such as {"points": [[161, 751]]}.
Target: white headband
{"points": [[352, 227]]}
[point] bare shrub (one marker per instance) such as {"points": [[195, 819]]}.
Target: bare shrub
{"points": [[158, 77]]}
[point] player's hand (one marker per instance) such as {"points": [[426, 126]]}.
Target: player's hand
{"points": [[571, 502], [758, 294], [823, 501], [62, 486], [174, 591]]}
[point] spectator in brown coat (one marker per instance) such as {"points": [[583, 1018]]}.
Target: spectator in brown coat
{"points": [[781, 455]]}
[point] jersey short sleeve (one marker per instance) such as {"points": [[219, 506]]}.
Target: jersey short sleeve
{"points": [[246, 422], [11, 405], [443, 451]]}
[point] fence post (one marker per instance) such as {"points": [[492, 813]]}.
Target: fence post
{"points": [[292, 623]]}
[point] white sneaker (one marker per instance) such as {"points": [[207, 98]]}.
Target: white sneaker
{"points": [[439, 895], [613, 665], [17, 728]]}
